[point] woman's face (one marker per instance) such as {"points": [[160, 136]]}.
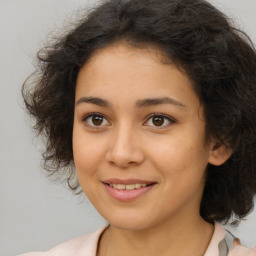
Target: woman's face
{"points": [[138, 138]]}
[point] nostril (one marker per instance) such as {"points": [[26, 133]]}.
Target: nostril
{"points": [[124, 157]]}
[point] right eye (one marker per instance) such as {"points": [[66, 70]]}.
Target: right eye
{"points": [[95, 120]]}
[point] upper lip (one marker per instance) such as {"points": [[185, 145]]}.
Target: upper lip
{"points": [[127, 181]]}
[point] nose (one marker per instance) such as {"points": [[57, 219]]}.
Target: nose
{"points": [[125, 149]]}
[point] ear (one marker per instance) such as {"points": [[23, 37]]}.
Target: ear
{"points": [[219, 154]]}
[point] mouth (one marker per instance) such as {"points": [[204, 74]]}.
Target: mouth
{"points": [[128, 186], [127, 190]]}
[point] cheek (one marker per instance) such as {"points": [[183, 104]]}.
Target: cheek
{"points": [[181, 156], [87, 152], [86, 159]]}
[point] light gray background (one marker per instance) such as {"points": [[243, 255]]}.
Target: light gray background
{"points": [[36, 214]]}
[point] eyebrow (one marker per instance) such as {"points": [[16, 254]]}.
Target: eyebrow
{"points": [[139, 104], [94, 100], [158, 101]]}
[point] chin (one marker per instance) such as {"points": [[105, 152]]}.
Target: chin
{"points": [[130, 221], [130, 225]]}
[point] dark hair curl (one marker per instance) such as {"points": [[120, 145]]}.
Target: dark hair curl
{"points": [[219, 59]]}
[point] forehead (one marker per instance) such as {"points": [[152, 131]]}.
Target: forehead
{"points": [[123, 48], [120, 69], [124, 57]]}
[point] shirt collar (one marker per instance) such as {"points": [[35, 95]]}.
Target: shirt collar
{"points": [[218, 236], [212, 250]]}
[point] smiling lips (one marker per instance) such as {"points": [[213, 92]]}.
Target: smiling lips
{"points": [[127, 187], [127, 190]]}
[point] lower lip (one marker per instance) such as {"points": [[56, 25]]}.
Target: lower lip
{"points": [[127, 195]]}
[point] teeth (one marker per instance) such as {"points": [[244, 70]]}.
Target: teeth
{"points": [[127, 187], [120, 186], [130, 187]]}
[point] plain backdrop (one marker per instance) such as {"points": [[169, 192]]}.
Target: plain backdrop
{"points": [[35, 213]]}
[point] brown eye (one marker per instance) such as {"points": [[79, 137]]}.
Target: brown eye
{"points": [[95, 121], [158, 120]]}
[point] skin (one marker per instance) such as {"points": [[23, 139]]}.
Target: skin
{"points": [[126, 144]]}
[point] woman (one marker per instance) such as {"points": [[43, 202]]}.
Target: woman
{"points": [[153, 104]]}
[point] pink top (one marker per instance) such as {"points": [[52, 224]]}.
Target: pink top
{"points": [[221, 245]]}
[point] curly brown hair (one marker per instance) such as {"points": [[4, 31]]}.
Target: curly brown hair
{"points": [[219, 59]]}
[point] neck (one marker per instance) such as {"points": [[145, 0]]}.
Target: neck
{"points": [[170, 238]]}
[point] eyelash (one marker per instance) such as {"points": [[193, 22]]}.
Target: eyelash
{"points": [[85, 120], [168, 118]]}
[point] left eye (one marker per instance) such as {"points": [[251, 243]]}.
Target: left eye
{"points": [[95, 120], [159, 120]]}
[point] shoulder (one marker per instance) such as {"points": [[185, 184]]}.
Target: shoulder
{"points": [[239, 250], [235, 248], [83, 245], [223, 243]]}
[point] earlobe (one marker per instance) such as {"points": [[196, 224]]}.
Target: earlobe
{"points": [[219, 154]]}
